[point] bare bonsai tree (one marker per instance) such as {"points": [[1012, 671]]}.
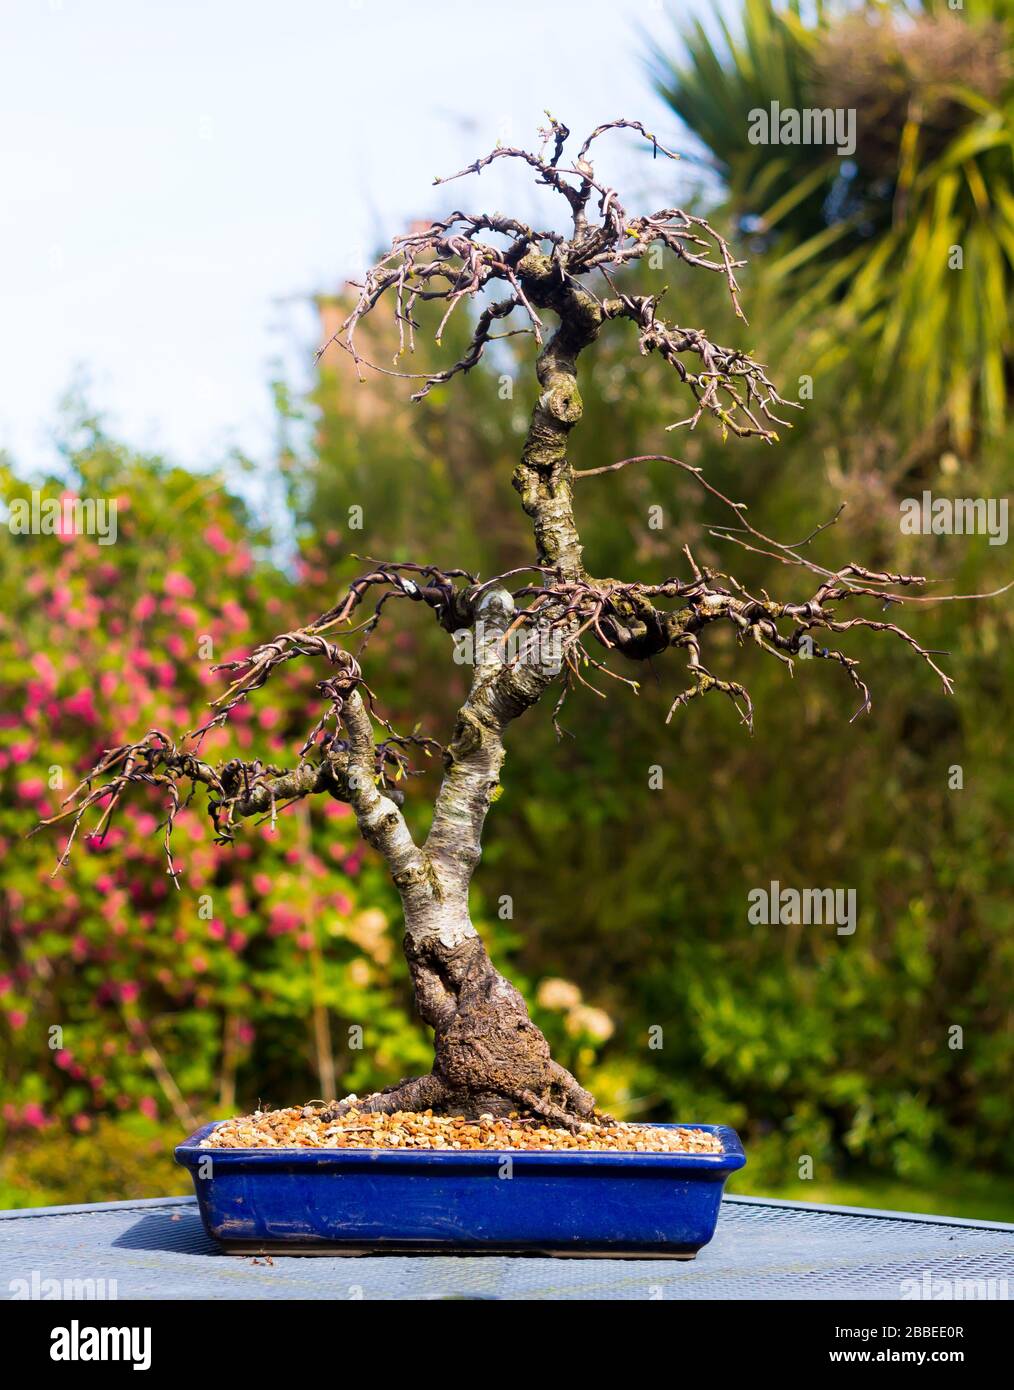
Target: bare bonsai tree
{"points": [[488, 1055]]}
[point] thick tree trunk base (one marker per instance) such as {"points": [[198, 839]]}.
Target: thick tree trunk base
{"points": [[489, 1057]]}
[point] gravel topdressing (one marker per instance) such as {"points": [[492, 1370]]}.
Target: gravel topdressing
{"points": [[301, 1127]]}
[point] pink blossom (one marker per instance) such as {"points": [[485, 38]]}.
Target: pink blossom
{"points": [[262, 884], [147, 1107], [144, 608], [234, 614], [283, 920], [17, 1018], [216, 538], [44, 669], [199, 964], [33, 1115], [31, 788], [178, 585], [129, 991], [80, 705]]}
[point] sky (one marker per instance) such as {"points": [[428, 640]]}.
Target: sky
{"points": [[176, 179]]}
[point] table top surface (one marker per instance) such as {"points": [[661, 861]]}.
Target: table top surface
{"points": [[762, 1249]]}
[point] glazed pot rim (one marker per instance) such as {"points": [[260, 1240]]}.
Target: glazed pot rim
{"points": [[189, 1153]]}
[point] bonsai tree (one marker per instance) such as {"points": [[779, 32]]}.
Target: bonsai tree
{"points": [[531, 630]]}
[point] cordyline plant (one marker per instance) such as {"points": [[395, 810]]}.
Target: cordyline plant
{"points": [[546, 625]]}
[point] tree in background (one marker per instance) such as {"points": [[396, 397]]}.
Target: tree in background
{"points": [[910, 238], [489, 1055]]}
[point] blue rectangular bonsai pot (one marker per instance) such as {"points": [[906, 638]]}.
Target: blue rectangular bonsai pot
{"points": [[372, 1201]]}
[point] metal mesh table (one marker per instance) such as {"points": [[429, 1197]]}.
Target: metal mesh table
{"points": [[762, 1249]]}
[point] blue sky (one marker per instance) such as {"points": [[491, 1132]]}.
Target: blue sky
{"points": [[178, 177]]}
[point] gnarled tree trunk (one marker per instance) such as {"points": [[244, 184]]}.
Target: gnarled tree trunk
{"points": [[489, 1057]]}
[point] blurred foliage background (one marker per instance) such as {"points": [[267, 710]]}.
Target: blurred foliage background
{"points": [[629, 933]]}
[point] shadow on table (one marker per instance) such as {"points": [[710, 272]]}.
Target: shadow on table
{"points": [[179, 1231]]}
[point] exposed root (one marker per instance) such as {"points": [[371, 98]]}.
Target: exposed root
{"points": [[429, 1092], [489, 1057], [414, 1093], [555, 1114]]}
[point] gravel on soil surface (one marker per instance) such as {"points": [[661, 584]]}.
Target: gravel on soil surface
{"points": [[301, 1127]]}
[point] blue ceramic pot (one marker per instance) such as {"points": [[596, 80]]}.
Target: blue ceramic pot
{"points": [[352, 1201]]}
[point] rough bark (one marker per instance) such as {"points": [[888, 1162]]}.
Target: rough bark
{"points": [[543, 478], [489, 1057]]}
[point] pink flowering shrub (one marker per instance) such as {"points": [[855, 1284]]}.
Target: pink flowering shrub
{"points": [[121, 996]]}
